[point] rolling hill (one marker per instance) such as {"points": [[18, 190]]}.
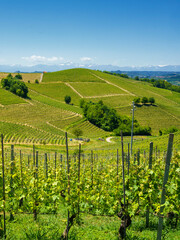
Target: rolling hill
{"points": [[45, 116]]}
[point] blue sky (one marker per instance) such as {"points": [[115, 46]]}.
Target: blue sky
{"points": [[117, 32]]}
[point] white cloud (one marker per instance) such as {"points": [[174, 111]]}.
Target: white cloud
{"points": [[85, 59], [42, 59]]}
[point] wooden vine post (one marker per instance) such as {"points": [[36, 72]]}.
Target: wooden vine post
{"points": [[150, 167], [79, 167], [11, 180], [36, 186], [55, 163], [166, 174], [45, 165], [123, 214], [3, 178], [92, 167]]}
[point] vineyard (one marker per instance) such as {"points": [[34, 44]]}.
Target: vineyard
{"points": [[45, 112], [68, 190]]}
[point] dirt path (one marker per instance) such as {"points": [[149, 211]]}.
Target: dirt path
{"points": [[108, 95], [108, 139], [41, 77], [74, 90]]}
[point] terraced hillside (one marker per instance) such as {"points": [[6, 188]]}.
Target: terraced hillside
{"points": [[46, 116]]}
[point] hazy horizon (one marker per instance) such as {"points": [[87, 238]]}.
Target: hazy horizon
{"points": [[119, 33]]}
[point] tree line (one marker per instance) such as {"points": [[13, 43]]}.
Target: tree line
{"points": [[109, 120], [159, 83], [14, 85]]}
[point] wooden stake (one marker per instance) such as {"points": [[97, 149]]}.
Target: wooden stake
{"points": [[4, 198], [150, 167], [166, 174]]}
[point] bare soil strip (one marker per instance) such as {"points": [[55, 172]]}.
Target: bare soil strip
{"points": [[108, 95], [41, 78], [74, 90], [114, 85]]}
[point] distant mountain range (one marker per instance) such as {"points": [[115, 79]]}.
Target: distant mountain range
{"points": [[52, 68]]}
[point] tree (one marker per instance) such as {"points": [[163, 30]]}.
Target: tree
{"points": [[144, 100], [151, 100], [136, 78], [137, 100], [18, 76], [36, 81], [77, 132], [67, 99], [81, 103]]}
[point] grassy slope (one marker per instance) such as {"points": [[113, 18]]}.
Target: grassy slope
{"points": [[7, 98], [71, 75], [48, 101], [55, 90], [96, 89]]}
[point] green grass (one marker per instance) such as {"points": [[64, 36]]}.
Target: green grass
{"points": [[47, 111], [91, 228], [7, 98], [71, 75], [147, 114], [96, 89], [56, 91], [53, 102]]}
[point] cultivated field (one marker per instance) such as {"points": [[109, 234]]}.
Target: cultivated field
{"points": [[26, 76], [46, 110], [72, 75]]}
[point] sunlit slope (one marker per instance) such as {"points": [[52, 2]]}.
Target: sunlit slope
{"points": [[71, 75], [116, 92], [46, 111], [7, 98]]}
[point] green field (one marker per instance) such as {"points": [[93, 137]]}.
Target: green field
{"points": [[56, 91], [72, 75], [7, 98], [46, 110], [96, 89]]}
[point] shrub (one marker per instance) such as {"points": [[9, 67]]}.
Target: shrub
{"points": [[77, 132], [144, 100], [137, 100], [151, 100], [15, 86], [171, 129], [81, 103], [67, 99], [18, 76], [36, 81]]}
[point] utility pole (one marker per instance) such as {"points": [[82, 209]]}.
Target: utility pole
{"points": [[132, 126]]}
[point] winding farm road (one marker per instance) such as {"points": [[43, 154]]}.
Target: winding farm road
{"points": [[108, 139]]}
